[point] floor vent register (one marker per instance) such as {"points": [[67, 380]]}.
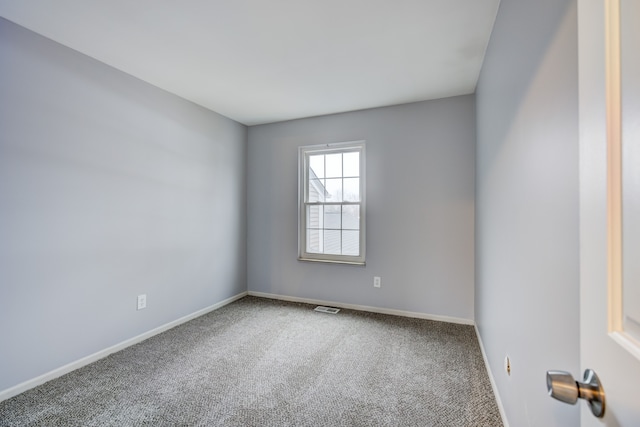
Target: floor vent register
{"points": [[330, 310]]}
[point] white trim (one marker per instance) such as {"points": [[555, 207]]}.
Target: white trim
{"points": [[34, 382], [494, 386], [627, 341], [380, 310]]}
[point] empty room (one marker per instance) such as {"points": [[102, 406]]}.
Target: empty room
{"points": [[297, 213]]}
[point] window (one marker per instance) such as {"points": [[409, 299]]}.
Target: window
{"points": [[332, 203]]}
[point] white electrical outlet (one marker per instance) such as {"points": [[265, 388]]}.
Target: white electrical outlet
{"points": [[142, 301], [376, 282]]}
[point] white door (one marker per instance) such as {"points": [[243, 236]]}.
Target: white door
{"points": [[609, 241]]}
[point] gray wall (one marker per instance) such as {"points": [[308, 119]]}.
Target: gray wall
{"points": [[109, 188], [420, 208], [527, 263]]}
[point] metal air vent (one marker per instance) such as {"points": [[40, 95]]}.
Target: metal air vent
{"points": [[330, 310]]}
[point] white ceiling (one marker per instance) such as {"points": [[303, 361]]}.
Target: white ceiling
{"points": [[262, 61]]}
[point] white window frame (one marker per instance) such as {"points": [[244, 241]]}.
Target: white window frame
{"points": [[303, 184]]}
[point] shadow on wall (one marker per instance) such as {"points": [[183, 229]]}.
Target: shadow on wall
{"points": [[518, 81]]}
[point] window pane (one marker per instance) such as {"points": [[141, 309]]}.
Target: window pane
{"points": [[334, 190], [316, 191], [332, 242], [333, 165], [316, 164], [315, 241], [315, 217], [352, 189], [351, 166], [351, 243], [351, 217], [332, 217]]}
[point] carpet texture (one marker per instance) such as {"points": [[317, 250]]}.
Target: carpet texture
{"points": [[260, 362]]}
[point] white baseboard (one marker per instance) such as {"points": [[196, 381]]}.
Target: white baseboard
{"points": [[29, 384], [503, 414], [365, 308]]}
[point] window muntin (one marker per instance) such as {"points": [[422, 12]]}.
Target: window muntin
{"points": [[332, 205]]}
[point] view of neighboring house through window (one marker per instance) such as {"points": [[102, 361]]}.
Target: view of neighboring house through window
{"points": [[332, 203]]}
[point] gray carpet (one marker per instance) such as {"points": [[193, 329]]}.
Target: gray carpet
{"points": [[259, 362]]}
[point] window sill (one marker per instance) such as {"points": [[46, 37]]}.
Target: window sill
{"points": [[333, 261]]}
